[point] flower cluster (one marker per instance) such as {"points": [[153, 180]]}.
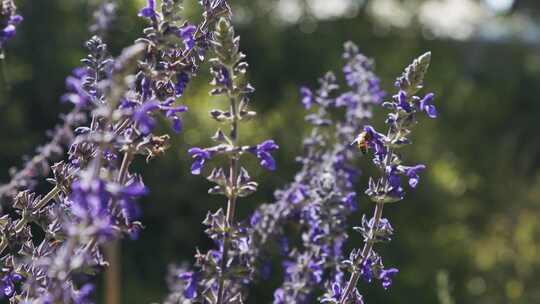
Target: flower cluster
{"points": [[322, 196], [95, 194], [9, 20], [223, 271], [319, 201], [94, 197], [77, 215], [82, 90], [387, 188]]}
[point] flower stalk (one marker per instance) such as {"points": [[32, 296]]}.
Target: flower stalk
{"points": [[223, 272], [232, 194], [364, 255], [386, 188]]}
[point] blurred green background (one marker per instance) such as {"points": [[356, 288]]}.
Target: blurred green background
{"points": [[471, 231]]}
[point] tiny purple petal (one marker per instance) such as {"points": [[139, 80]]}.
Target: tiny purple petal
{"points": [[9, 31], [199, 158], [149, 11], [386, 277], [426, 106], [15, 19], [186, 33], [135, 189], [268, 146], [307, 97], [267, 161], [431, 111]]}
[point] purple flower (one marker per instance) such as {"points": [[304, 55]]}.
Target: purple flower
{"points": [[222, 76], [192, 279], [171, 113], [348, 99], [375, 90], [187, 33], [7, 284], [412, 173], [127, 195], [367, 270], [146, 88], [336, 289], [350, 201], [262, 152], [255, 218], [200, 156], [403, 104], [298, 194], [425, 106], [182, 80], [316, 270], [279, 296], [289, 267], [83, 295], [10, 30], [90, 198], [386, 277], [383, 226], [394, 182], [149, 11], [350, 75], [142, 117], [307, 97], [15, 19], [77, 94]]}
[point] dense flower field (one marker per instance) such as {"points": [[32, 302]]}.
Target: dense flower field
{"points": [[51, 244]]}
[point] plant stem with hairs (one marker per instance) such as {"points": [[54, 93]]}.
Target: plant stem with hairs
{"points": [[386, 188], [364, 255], [223, 271], [113, 251], [232, 195]]}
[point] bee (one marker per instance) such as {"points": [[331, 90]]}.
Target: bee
{"points": [[362, 142], [157, 146]]}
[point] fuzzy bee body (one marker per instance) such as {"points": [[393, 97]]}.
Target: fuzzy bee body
{"points": [[362, 142]]}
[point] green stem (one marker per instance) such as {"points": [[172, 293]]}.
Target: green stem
{"points": [[3, 244], [231, 204], [122, 173], [39, 205], [49, 196], [113, 273], [113, 251], [56, 190], [366, 253]]}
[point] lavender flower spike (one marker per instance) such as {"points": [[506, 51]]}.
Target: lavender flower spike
{"points": [[387, 188], [224, 271], [94, 197], [322, 195]]}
